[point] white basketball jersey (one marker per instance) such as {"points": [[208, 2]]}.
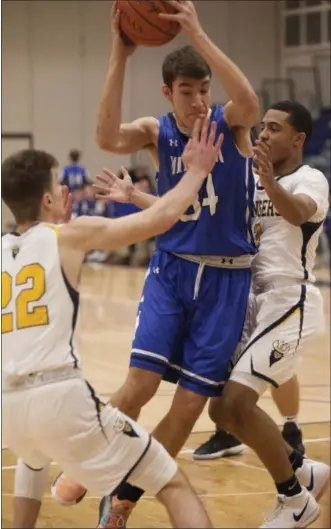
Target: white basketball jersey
{"points": [[285, 250], [39, 307]]}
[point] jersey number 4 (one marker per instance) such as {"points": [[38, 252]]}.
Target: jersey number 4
{"points": [[210, 201], [33, 276]]}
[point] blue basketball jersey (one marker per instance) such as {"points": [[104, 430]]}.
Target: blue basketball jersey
{"points": [[219, 223], [92, 207], [74, 176], [123, 209]]}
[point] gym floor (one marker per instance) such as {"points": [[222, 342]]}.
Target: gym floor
{"points": [[236, 491]]}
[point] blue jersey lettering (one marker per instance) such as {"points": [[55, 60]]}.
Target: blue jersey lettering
{"points": [[219, 222]]}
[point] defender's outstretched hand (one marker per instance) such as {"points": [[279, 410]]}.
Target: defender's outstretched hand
{"points": [[202, 150], [114, 188]]}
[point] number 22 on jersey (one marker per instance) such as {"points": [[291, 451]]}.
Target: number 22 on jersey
{"points": [[210, 200], [22, 317]]}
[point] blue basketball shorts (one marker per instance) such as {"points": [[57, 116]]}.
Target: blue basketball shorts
{"points": [[189, 322]]}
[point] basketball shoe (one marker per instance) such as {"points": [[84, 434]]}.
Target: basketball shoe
{"points": [[293, 511], [220, 444]]}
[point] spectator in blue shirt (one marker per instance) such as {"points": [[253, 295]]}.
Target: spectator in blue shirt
{"points": [[75, 176]]}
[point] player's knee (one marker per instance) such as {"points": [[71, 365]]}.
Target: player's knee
{"points": [[173, 488], [235, 407], [156, 469], [213, 409], [225, 414], [187, 406], [140, 386], [66, 491]]}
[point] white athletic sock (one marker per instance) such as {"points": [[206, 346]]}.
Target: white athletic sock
{"points": [[292, 419]]}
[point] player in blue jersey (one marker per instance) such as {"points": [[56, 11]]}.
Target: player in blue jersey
{"points": [[74, 175], [193, 306]]}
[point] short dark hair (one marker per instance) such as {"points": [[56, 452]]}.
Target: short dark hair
{"points": [[25, 177], [186, 62], [74, 155], [299, 116]]}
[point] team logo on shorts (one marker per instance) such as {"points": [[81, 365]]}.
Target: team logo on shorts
{"points": [[279, 348], [129, 430], [121, 425]]}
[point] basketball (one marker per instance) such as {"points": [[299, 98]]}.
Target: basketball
{"points": [[141, 25]]}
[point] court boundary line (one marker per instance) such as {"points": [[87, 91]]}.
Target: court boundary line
{"points": [[202, 495], [209, 432], [187, 451]]}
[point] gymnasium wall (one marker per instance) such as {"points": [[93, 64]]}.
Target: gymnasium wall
{"points": [[319, 58], [55, 58]]}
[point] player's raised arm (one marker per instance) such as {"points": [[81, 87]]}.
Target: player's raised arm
{"points": [[87, 233], [303, 201], [243, 108], [111, 134]]}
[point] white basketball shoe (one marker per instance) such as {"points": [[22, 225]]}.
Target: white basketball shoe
{"points": [[293, 512]]}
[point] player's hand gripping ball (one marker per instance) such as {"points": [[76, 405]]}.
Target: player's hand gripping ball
{"points": [[141, 24]]}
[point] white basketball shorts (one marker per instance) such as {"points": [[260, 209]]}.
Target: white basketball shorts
{"points": [[278, 323], [95, 444]]}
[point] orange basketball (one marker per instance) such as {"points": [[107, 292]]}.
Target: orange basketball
{"points": [[141, 25]]}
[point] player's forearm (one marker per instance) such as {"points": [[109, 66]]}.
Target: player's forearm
{"points": [[109, 117], [234, 82], [175, 202], [143, 200], [96, 233], [292, 208]]}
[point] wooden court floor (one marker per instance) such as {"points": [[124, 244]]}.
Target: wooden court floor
{"points": [[236, 491]]}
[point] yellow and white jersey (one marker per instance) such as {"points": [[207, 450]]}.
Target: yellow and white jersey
{"points": [[38, 306], [287, 252]]}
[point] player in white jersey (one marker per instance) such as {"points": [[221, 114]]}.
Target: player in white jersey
{"points": [[283, 265], [286, 309], [285, 297], [49, 411]]}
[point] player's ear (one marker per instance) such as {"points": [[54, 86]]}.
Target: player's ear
{"points": [[47, 201], [299, 139], [167, 92]]}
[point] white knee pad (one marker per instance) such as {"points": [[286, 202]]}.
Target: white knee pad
{"points": [[30, 483]]}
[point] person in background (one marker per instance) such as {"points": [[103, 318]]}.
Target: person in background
{"points": [[142, 174], [84, 203], [92, 207], [75, 176], [77, 199], [138, 254]]}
